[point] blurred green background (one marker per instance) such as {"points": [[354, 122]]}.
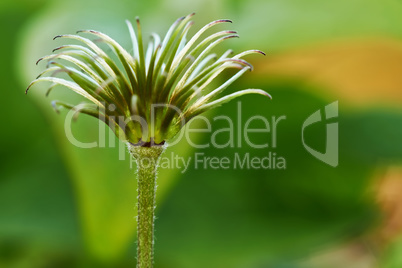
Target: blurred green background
{"points": [[62, 206]]}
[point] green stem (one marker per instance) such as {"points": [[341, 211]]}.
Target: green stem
{"points": [[147, 164]]}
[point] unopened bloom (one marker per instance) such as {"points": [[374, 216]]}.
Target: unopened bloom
{"points": [[146, 97]]}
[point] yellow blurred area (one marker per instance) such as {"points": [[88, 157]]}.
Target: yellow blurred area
{"points": [[361, 72]]}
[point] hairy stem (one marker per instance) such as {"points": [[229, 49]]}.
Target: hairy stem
{"points": [[147, 164]]}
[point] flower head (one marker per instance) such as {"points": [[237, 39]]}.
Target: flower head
{"points": [[147, 96]]}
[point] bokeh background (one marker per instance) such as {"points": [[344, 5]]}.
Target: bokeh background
{"points": [[62, 206]]}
